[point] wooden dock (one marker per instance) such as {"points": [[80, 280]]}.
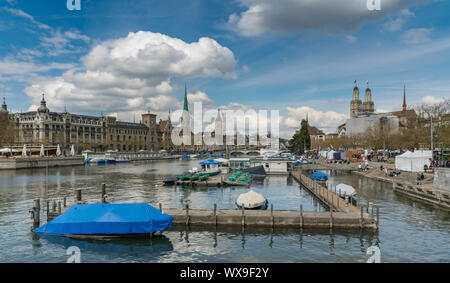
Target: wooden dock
{"points": [[329, 198], [272, 219]]}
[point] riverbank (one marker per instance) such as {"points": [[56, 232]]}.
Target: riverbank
{"points": [[405, 183], [40, 162]]}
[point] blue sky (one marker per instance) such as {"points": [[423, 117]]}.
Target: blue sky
{"points": [[296, 56]]}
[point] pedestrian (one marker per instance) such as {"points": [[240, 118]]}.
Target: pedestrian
{"points": [[385, 171]]}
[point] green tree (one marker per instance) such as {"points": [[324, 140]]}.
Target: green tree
{"points": [[300, 140]]}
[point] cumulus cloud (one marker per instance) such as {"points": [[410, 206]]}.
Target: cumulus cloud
{"points": [[416, 36], [327, 121], [134, 73], [299, 15]]}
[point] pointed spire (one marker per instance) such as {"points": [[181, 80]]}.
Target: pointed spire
{"points": [[4, 107], [404, 98], [186, 106]]}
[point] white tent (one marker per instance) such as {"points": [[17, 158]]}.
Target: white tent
{"points": [[413, 161], [72, 150], [330, 154]]}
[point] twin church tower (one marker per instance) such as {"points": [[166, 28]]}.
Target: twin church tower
{"points": [[357, 107]]}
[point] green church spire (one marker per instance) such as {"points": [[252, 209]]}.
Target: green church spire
{"points": [[186, 107]]}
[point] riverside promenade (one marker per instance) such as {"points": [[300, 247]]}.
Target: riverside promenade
{"points": [[39, 162], [405, 183]]}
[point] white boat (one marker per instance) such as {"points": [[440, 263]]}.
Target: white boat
{"points": [[344, 190], [251, 200]]}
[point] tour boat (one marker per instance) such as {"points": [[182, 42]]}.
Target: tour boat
{"points": [[252, 200], [107, 220]]}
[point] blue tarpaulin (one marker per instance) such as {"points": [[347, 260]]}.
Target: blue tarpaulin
{"points": [[108, 219], [319, 176]]}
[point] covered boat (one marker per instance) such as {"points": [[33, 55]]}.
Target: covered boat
{"points": [[343, 190], [251, 200], [108, 220], [319, 176], [255, 171]]}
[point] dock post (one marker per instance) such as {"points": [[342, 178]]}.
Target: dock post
{"points": [[187, 214], [160, 207], [370, 208], [103, 193], [271, 215], [48, 207], [301, 216], [361, 219], [315, 186], [36, 212], [332, 199], [378, 217], [59, 207], [65, 202], [243, 217], [331, 218], [346, 201], [54, 206], [78, 194], [215, 214]]}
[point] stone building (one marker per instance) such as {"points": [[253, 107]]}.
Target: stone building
{"points": [[357, 107], [85, 132]]}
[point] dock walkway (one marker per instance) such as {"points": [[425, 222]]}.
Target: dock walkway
{"points": [[328, 197]]}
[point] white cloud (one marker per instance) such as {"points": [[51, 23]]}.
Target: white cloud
{"points": [[327, 121], [298, 15], [431, 100], [351, 38], [27, 16], [134, 73], [416, 36], [10, 66], [199, 96], [394, 25]]}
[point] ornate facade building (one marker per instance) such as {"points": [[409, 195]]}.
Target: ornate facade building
{"points": [[85, 132]]}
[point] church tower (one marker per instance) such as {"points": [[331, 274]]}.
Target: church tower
{"points": [[368, 105], [218, 130], [404, 99], [355, 104]]}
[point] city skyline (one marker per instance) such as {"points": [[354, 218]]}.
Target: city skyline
{"points": [[113, 58]]}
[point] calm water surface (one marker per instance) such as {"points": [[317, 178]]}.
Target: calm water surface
{"points": [[409, 230]]}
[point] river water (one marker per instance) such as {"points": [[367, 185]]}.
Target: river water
{"points": [[410, 231]]}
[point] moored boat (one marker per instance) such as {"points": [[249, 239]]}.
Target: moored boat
{"points": [[252, 200], [107, 220]]}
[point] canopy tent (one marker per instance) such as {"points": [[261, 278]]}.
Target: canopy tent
{"points": [[223, 160], [323, 153], [413, 161], [72, 151], [210, 162], [8, 150], [108, 219], [319, 176], [24, 150], [339, 155]]}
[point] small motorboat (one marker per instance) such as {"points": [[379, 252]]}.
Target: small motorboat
{"points": [[169, 180], [252, 200]]}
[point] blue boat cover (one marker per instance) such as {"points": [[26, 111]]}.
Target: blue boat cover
{"points": [[319, 176], [108, 219], [210, 162]]}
